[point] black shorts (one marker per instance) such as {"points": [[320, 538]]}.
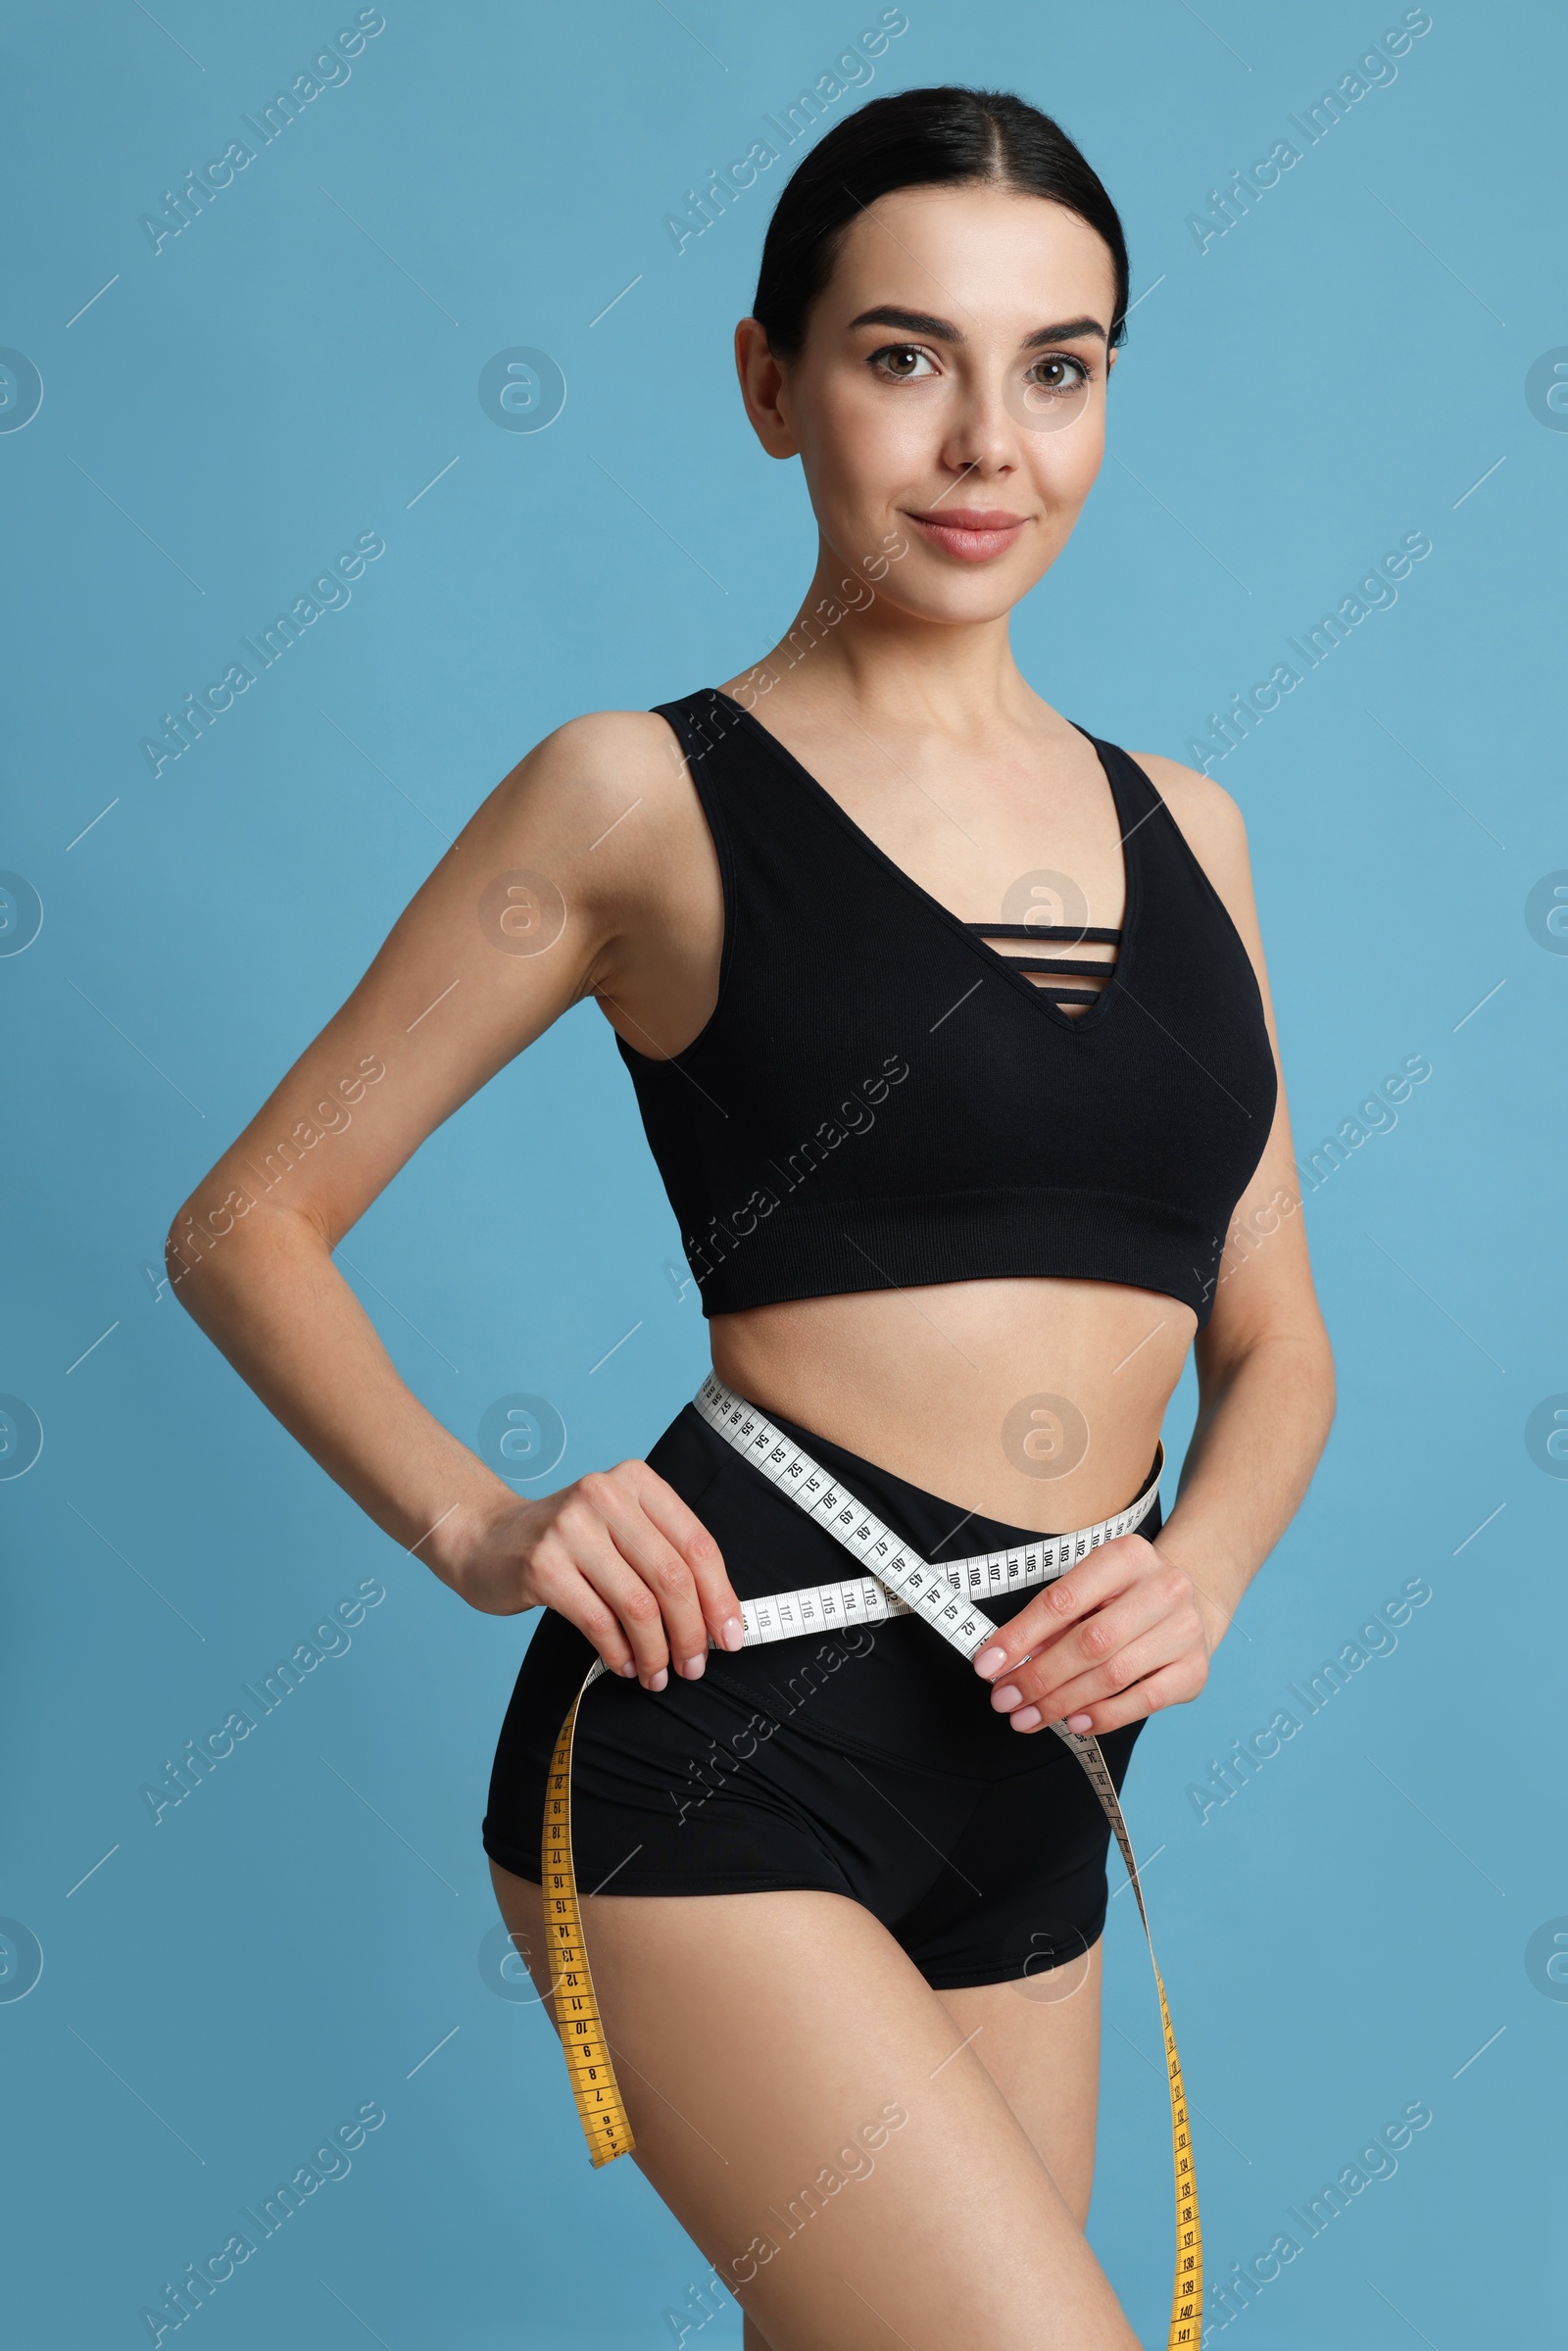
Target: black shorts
{"points": [[868, 1763]]}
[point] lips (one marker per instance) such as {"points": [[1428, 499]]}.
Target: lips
{"points": [[974, 534]]}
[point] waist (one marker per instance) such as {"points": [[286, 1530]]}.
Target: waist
{"points": [[769, 1543], [919, 1692], [1036, 1403]]}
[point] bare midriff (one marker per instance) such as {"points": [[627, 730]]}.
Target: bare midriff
{"points": [[1035, 1402]]}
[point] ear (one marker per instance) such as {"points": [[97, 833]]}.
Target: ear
{"points": [[1112, 356], [762, 389]]}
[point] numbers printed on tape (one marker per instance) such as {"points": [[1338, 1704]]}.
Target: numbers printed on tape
{"points": [[582, 2035], [894, 1580]]}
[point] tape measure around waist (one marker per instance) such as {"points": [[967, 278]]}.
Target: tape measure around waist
{"points": [[894, 1580]]}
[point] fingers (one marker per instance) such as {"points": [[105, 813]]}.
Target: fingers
{"points": [[678, 1560], [558, 1579], [636, 1571], [1130, 1635], [1172, 1685], [682, 1528], [639, 1577], [1135, 1683], [1061, 1607], [1100, 1649]]}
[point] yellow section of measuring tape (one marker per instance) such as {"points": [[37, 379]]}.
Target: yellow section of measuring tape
{"points": [[582, 2033], [1186, 2293], [1187, 2290]]}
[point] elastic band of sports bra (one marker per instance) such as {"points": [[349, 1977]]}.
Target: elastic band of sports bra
{"points": [[937, 1591]]}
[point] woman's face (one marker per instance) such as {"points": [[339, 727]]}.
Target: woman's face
{"points": [[951, 394]]}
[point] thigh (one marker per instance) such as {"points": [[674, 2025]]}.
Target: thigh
{"points": [[1011, 1938], [803, 2104], [1037, 2037]]}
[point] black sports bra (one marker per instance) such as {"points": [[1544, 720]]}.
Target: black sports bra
{"points": [[881, 1099]]}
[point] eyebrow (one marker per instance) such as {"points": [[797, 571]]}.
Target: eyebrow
{"points": [[941, 330]]}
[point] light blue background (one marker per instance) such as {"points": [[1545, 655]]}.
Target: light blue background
{"points": [[1337, 370]]}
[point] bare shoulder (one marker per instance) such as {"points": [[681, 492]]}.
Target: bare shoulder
{"points": [[604, 757], [1213, 825], [607, 800]]}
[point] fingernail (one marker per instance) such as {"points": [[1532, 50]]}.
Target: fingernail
{"points": [[628, 1668], [1007, 1698], [691, 1667], [1025, 1718], [732, 1633], [658, 1680], [989, 1661], [1080, 1722]]}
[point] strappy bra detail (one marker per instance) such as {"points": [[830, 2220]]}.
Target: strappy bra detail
{"points": [[884, 1098], [1057, 964]]}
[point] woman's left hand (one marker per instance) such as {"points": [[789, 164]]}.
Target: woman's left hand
{"points": [[1117, 1637]]}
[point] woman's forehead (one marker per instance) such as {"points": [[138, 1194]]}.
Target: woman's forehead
{"points": [[970, 252]]}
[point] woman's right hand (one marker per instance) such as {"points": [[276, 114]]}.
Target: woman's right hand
{"points": [[621, 1556]]}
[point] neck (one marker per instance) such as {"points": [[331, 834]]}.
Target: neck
{"points": [[850, 639]]}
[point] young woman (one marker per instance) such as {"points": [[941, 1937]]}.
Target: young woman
{"points": [[956, 1210]]}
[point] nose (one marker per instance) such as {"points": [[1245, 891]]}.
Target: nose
{"points": [[983, 437]]}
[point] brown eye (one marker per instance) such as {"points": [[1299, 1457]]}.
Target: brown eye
{"points": [[1058, 374], [900, 362]]}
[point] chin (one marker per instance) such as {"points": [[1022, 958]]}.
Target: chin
{"points": [[980, 595]]}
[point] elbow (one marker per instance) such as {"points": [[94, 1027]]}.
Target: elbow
{"points": [[198, 1232], [1314, 1337], [1314, 1380], [186, 1246], [1294, 1356]]}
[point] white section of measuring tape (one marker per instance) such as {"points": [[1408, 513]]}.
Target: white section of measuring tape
{"points": [[899, 1581]]}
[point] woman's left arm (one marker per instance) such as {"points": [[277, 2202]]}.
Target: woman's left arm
{"points": [[1132, 1628]]}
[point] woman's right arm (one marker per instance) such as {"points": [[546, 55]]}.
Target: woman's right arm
{"points": [[537, 905]]}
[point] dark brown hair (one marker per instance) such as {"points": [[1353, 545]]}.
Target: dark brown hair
{"points": [[945, 137]]}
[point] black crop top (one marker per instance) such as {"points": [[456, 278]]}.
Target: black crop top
{"points": [[882, 1100]]}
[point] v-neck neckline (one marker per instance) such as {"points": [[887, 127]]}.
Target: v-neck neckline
{"points": [[1127, 824]]}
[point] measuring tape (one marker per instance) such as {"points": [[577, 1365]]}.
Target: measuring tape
{"points": [[895, 1581]]}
